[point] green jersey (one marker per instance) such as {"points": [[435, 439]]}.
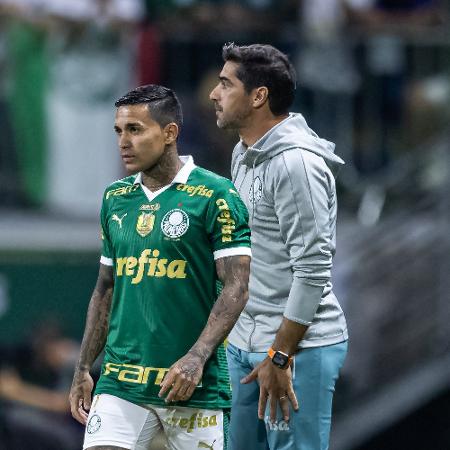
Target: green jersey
{"points": [[162, 246]]}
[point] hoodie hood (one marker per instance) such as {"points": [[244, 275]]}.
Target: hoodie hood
{"points": [[293, 132]]}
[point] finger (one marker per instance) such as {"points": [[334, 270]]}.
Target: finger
{"points": [[87, 401], [173, 393], [262, 403], [284, 405], [293, 398], [83, 415], [77, 411], [182, 392], [273, 408], [178, 382], [189, 392], [167, 382], [77, 416], [252, 376], [74, 408]]}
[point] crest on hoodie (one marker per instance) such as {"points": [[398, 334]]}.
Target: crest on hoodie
{"points": [[255, 192]]}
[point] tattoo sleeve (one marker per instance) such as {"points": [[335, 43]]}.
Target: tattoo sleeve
{"points": [[97, 320], [233, 272]]}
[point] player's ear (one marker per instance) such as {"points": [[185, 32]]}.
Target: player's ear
{"points": [[170, 133], [260, 96]]}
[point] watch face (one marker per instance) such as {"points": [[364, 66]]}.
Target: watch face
{"points": [[279, 359]]}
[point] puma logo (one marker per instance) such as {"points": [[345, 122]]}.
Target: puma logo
{"points": [[118, 219], [202, 444]]}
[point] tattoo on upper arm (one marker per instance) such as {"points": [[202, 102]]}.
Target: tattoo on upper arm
{"points": [[233, 272]]}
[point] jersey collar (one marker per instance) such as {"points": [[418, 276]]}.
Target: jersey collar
{"points": [[182, 175]]}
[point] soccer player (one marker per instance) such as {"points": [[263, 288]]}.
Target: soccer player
{"points": [[170, 232], [292, 336]]}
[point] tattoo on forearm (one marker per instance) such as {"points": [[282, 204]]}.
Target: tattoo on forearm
{"points": [[233, 271], [97, 319]]}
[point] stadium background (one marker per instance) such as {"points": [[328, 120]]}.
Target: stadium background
{"points": [[373, 76]]}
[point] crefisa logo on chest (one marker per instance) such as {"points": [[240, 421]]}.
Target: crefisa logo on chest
{"points": [[175, 223]]}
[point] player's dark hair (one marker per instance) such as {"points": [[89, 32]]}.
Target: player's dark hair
{"points": [[162, 102], [264, 65]]}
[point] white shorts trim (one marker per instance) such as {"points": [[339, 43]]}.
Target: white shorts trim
{"points": [[117, 422]]}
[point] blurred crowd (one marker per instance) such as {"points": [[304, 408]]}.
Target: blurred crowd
{"points": [[368, 73], [373, 76], [35, 378]]}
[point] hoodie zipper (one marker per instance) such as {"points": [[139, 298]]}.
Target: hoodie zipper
{"points": [[246, 169]]}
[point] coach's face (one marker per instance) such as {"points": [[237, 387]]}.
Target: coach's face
{"points": [[232, 103], [142, 140]]}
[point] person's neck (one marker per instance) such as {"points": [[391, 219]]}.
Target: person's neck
{"points": [[164, 171], [257, 128]]}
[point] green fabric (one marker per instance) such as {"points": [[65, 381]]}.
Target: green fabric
{"points": [[226, 426], [27, 103], [166, 282]]}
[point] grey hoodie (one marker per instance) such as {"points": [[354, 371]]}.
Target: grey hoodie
{"points": [[286, 179]]}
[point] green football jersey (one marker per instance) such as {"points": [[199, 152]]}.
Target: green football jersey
{"points": [[162, 246]]}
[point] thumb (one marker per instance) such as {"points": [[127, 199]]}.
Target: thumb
{"points": [[252, 376]]}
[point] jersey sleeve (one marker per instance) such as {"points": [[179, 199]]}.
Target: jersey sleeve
{"points": [[227, 223], [107, 257]]}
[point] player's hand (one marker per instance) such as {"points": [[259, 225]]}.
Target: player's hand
{"points": [[275, 386], [80, 396], [182, 378]]}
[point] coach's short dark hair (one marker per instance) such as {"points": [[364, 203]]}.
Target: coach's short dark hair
{"points": [[162, 102], [264, 65]]}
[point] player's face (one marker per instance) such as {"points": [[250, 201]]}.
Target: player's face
{"points": [[232, 103], [142, 141]]}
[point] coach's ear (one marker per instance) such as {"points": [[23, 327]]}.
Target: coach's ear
{"points": [[170, 133], [260, 96]]}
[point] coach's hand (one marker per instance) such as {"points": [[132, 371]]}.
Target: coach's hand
{"points": [[80, 396], [275, 385], [182, 378]]}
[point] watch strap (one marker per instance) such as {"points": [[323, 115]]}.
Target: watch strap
{"points": [[271, 352]]}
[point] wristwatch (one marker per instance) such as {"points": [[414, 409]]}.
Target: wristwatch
{"points": [[280, 359]]}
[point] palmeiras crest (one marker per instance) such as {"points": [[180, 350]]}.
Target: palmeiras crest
{"points": [[175, 223]]}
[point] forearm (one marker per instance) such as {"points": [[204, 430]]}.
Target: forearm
{"points": [[288, 336], [234, 272], [223, 316], [304, 299], [97, 322]]}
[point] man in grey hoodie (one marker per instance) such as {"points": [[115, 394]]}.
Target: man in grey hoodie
{"points": [[287, 348]]}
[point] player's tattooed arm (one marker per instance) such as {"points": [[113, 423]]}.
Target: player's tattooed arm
{"points": [[186, 373], [233, 272], [94, 339]]}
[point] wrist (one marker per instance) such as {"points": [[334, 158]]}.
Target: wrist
{"points": [[202, 354], [280, 359], [82, 368]]}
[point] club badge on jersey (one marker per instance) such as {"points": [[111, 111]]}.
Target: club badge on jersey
{"points": [[175, 223], [145, 223]]}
